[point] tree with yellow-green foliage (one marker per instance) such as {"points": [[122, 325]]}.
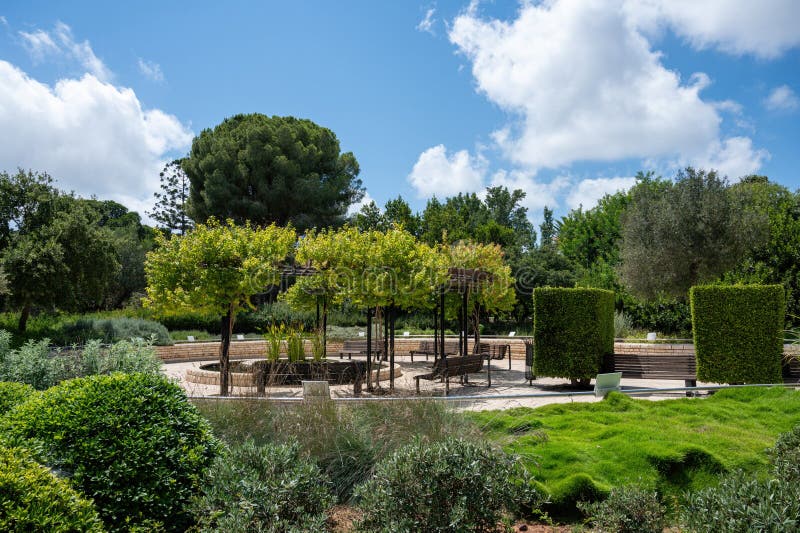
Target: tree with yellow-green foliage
{"points": [[216, 269]]}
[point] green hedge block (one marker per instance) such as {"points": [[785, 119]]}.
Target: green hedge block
{"points": [[738, 332], [573, 330]]}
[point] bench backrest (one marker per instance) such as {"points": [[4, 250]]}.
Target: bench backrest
{"points": [[427, 346], [495, 351], [361, 345], [466, 364], [677, 366]]}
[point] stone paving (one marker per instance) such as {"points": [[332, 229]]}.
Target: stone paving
{"points": [[504, 383]]}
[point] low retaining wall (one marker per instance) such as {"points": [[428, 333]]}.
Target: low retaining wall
{"points": [[193, 351]]}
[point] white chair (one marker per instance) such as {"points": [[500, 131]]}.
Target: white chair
{"points": [[605, 383]]}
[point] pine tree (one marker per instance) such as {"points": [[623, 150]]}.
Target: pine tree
{"points": [[170, 208]]}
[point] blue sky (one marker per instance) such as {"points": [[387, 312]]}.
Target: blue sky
{"points": [[566, 99]]}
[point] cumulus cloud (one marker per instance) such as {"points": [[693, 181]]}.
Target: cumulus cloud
{"points": [[582, 83], [585, 84], [151, 70], [589, 191], [60, 42], [426, 24], [538, 194], [782, 98], [93, 137], [440, 174], [765, 28], [734, 157]]}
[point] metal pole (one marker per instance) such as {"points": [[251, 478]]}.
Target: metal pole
{"points": [[390, 317], [441, 322], [369, 349]]}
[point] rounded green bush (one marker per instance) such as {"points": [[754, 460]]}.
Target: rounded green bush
{"points": [[629, 509], [131, 442], [263, 488], [785, 456], [452, 485], [33, 499], [12, 394]]}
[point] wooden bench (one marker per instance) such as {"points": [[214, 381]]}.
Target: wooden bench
{"points": [[426, 348], [640, 366], [448, 367], [495, 351], [791, 369], [359, 347]]}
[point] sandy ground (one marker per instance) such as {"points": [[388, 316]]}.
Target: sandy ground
{"points": [[508, 387]]}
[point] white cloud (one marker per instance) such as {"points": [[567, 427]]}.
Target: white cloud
{"points": [[589, 191], [764, 28], [92, 137], [355, 208], [585, 85], [426, 24], [60, 42], [3, 21], [151, 70], [436, 173], [782, 98], [734, 157], [537, 194]]}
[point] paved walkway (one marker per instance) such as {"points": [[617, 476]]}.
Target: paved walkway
{"points": [[504, 383]]}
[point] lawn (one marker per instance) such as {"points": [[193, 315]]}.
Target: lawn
{"points": [[579, 451]]}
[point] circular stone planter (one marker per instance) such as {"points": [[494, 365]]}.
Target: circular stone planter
{"points": [[245, 373]]}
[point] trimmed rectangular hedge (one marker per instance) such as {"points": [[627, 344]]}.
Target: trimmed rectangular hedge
{"points": [[738, 332], [573, 330]]}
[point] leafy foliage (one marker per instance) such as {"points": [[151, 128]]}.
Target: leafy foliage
{"points": [[130, 442], [266, 170], [738, 333], [675, 235], [574, 330], [445, 486], [743, 503], [33, 499], [12, 394], [628, 509], [52, 252], [215, 269], [110, 330], [41, 367], [269, 488]]}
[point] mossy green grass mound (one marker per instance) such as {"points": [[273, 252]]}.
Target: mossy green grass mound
{"points": [[580, 451]]}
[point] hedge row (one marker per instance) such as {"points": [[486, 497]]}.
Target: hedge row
{"points": [[738, 332], [574, 330]]}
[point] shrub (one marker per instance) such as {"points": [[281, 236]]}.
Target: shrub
{"points": [[33, 499], [36, 364], [263, 488], [12, 394], [628, 509], [785, 456], [742, 503], [451, 485], [738, 332], [131, 442], [664, 316], [623, 326], [573, 330], [110, 330], [33, 364]]}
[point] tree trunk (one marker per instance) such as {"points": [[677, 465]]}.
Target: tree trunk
{"points": [[23, 318], [224, 352]]}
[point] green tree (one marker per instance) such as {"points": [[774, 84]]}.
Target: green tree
{"points": [[778, 259], [397, 212], [675, 235], [271, 169], [369, 217], [216, 269], [54, 254], [170, 208], [547, 229]]}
